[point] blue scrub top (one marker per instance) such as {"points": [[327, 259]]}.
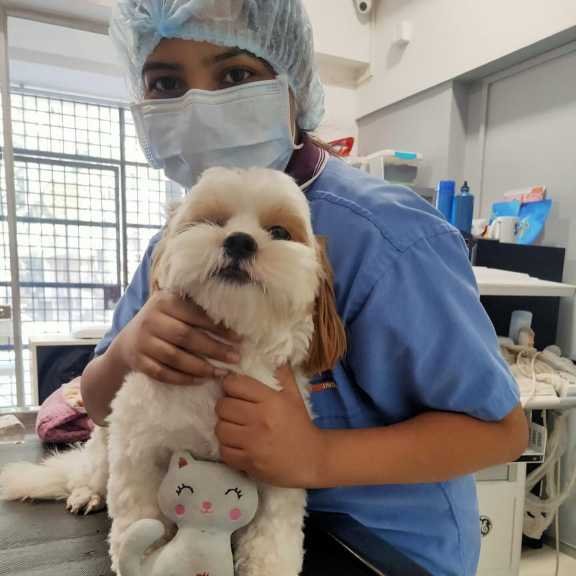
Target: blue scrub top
{"points": [[419, 340]]}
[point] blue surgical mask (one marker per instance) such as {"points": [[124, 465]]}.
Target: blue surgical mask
{"points": [[241, 127]]}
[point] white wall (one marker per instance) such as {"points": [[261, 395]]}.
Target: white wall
{"points": [[420, 123], [340, 119], [338, 31], [451, 37]]}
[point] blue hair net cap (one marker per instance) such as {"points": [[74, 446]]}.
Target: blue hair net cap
{"points": [[278, 31]]}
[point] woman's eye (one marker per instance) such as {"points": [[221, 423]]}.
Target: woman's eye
{"points": [[237, 76], [279, 233], [166, 86]]}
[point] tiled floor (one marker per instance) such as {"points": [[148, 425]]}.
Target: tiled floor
{"points": [[543, 563]]}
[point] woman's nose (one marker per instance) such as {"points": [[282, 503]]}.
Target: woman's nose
{"points": [[206, 505]]}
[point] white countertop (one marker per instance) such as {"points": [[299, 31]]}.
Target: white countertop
{"points": [[493, 282]]}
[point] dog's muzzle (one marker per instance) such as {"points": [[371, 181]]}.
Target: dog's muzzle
{"points": [[240, 246]]}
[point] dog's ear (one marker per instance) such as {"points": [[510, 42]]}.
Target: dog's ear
{"points": [[329, 340]]}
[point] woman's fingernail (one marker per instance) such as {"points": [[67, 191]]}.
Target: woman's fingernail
{"points": [[220, 372], [233, 357]]}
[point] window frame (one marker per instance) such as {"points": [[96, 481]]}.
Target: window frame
{"points": [[11, 157]]}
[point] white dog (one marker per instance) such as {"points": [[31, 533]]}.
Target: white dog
{"points": [[241, 246]]}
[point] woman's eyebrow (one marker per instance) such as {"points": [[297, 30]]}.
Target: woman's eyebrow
{"points": [[232, 53], [152, 66]]}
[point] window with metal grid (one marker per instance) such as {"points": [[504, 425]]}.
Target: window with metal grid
{"points": [[87, 205]]}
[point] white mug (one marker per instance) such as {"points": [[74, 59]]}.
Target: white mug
{"points": [[505, 229]]}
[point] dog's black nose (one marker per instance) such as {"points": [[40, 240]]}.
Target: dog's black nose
{"points": [[240, 246]]}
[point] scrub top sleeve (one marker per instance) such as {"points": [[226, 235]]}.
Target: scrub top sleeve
{"points": [[132, 301], [423, 341]]}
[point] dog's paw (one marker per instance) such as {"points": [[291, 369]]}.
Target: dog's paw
{"points": [[114, 564], [84, 501]]}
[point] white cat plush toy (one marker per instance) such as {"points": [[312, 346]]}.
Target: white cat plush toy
{"points": [[208, 502]]}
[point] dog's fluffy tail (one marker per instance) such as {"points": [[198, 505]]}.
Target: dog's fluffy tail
{"points": [[60, 475], [50, 480], [139, 538]]}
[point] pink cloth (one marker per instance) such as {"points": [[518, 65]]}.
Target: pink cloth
{"points": [[62, 418]]}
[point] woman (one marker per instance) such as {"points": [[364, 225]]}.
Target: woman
{"points": [[423, 398]]}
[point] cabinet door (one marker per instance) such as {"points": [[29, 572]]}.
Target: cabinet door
{"points": [[501, 505]]}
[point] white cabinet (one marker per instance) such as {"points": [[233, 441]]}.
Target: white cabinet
{"points": [[501, 504]]}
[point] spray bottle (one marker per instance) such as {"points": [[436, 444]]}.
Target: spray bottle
{"points": [[463, 210]]}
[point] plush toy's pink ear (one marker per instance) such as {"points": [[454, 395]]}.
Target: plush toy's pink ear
{"points": [[181, 460]]}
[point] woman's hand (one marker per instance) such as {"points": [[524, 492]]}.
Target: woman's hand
{"points": [[267, 433], [169, 340]]}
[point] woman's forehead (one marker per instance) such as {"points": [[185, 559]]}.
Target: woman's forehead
{"points": [[188, 51]]}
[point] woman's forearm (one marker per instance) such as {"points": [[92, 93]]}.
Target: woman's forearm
{"points": [[432, 447], [101, 380]]}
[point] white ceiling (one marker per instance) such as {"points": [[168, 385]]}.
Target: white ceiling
{"points": [[96, 11], [41, 58]]}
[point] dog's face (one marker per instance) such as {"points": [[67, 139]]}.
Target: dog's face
{"points": [[241, 246]]}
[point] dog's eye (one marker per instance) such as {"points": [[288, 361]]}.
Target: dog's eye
{"points": [[185, 227], [279, 233], [217, 221]]}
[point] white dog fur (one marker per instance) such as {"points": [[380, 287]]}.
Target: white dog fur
{"points": [[282, 304]]}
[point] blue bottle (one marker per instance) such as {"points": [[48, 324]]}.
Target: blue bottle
{"points": [[445, 197], [463, 210]]}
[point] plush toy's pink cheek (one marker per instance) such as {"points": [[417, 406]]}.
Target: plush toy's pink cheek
{"points": [[180, 510], [235, 514]]}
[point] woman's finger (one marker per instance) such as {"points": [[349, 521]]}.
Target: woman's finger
{"points": [[231, 435], [235, 411], [235, 458], [194, 340], [181, 361], [165, 374], [188, 312]]}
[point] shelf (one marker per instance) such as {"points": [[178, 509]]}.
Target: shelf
{"points": [[338, 71], [61, 340], [492, 282], [551, 403]]}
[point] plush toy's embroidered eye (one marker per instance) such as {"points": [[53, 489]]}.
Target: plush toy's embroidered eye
{"points": [[183, 487], [279, 233], [236, 491]]}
